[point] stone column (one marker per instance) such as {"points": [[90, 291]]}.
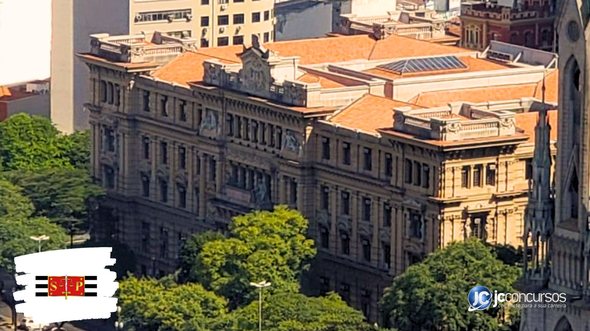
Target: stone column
{"points": [[334, 235], [300, 194], [203, 186], [377, 222], [397, 229], [354, 237]]}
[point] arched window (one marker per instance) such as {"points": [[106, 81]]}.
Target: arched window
{"points": [[563, 325], [529, 39], [103, 91]]}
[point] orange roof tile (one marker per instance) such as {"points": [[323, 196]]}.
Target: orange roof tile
{"points": [[527, 122], [4, 92], [551, 87], [325, 82], [472, 64], [369, 113], [311, 51]]}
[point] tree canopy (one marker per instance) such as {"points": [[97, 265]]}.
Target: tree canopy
{"points": [[17, 225], [261, 245], [63, 195], [296, 312], [432, 295], [152, 305]]}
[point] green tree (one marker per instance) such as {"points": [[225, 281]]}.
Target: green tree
{"points": [[152, 305], [432, 295], [76, 148], [262, 245], [17, 225], [30, 143], [189, 254], [66, 196], [296, 312]]}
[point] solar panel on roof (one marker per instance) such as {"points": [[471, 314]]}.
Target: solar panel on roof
{"points": [[424, 64]]}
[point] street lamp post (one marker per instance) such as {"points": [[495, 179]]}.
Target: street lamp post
{"points": [[260, 286], [118, 323], [39, 239]]}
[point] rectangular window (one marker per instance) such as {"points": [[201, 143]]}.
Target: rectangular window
{"points": [[246, 128], [109, 174], [223, 20], [255, 17], [387, 256], [182, 158], [465, 172], [146, 148], [366, 209], [110, 139], [388, 165], [387, 213], [212, 170], [325, 198], [164, 152], [367, 159], [117, 95], [204, 2], [491, 174], [416, 224], [425, 175], [163, 191], [238, 18], [222, 41], [164, 106], [408, 171], [345, 203], [266, 37], [102, 93], [163, 242], [417, 173], [204, 20], [229, 119], [236, 1], [346, 153], [182, 111], [238, 40], [254, 131], [477, 175], [325, 148], [181, 196], [528, 172], [146, 101], [204, 42], [293, 192], [167, 15], [145, 186], [324, 237], [266, 15]]}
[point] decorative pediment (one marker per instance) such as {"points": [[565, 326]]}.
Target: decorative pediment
{"points": [[255, 75]]}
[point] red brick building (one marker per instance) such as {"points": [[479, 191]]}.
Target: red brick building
{"points": [[528, 23]]}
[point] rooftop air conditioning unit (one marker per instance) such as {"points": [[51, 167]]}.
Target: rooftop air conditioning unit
{"points": [[223, 7], [170, 18], [222, 29], [138, 18], [189, 17]]}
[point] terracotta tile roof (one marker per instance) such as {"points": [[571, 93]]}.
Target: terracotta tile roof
{"points": [[369, 113], [551, 87], [325, 82], [4, 92], [457, 143], [441, 98], [311, 51], [472, 64], [527, 122], [186, 68]]}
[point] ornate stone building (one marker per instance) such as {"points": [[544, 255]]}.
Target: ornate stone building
{"points": [[521, 22], [391, 152], [563, 236]]}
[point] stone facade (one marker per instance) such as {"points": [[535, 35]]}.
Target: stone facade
{"points": [[566, 233], [529, 24], [183, 145]]}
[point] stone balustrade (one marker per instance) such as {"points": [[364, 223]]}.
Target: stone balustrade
{"points": [[139, 48]]}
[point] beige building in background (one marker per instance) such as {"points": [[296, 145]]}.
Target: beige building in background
{"points": [[391, 147], [211, 23]]}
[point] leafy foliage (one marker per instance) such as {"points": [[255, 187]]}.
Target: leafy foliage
{"points": [[262, 245], [432, 295], [17, 226], [29, 143], [189, 254], [296, 312], [63, 195], [151, 305], [76, 148]]}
